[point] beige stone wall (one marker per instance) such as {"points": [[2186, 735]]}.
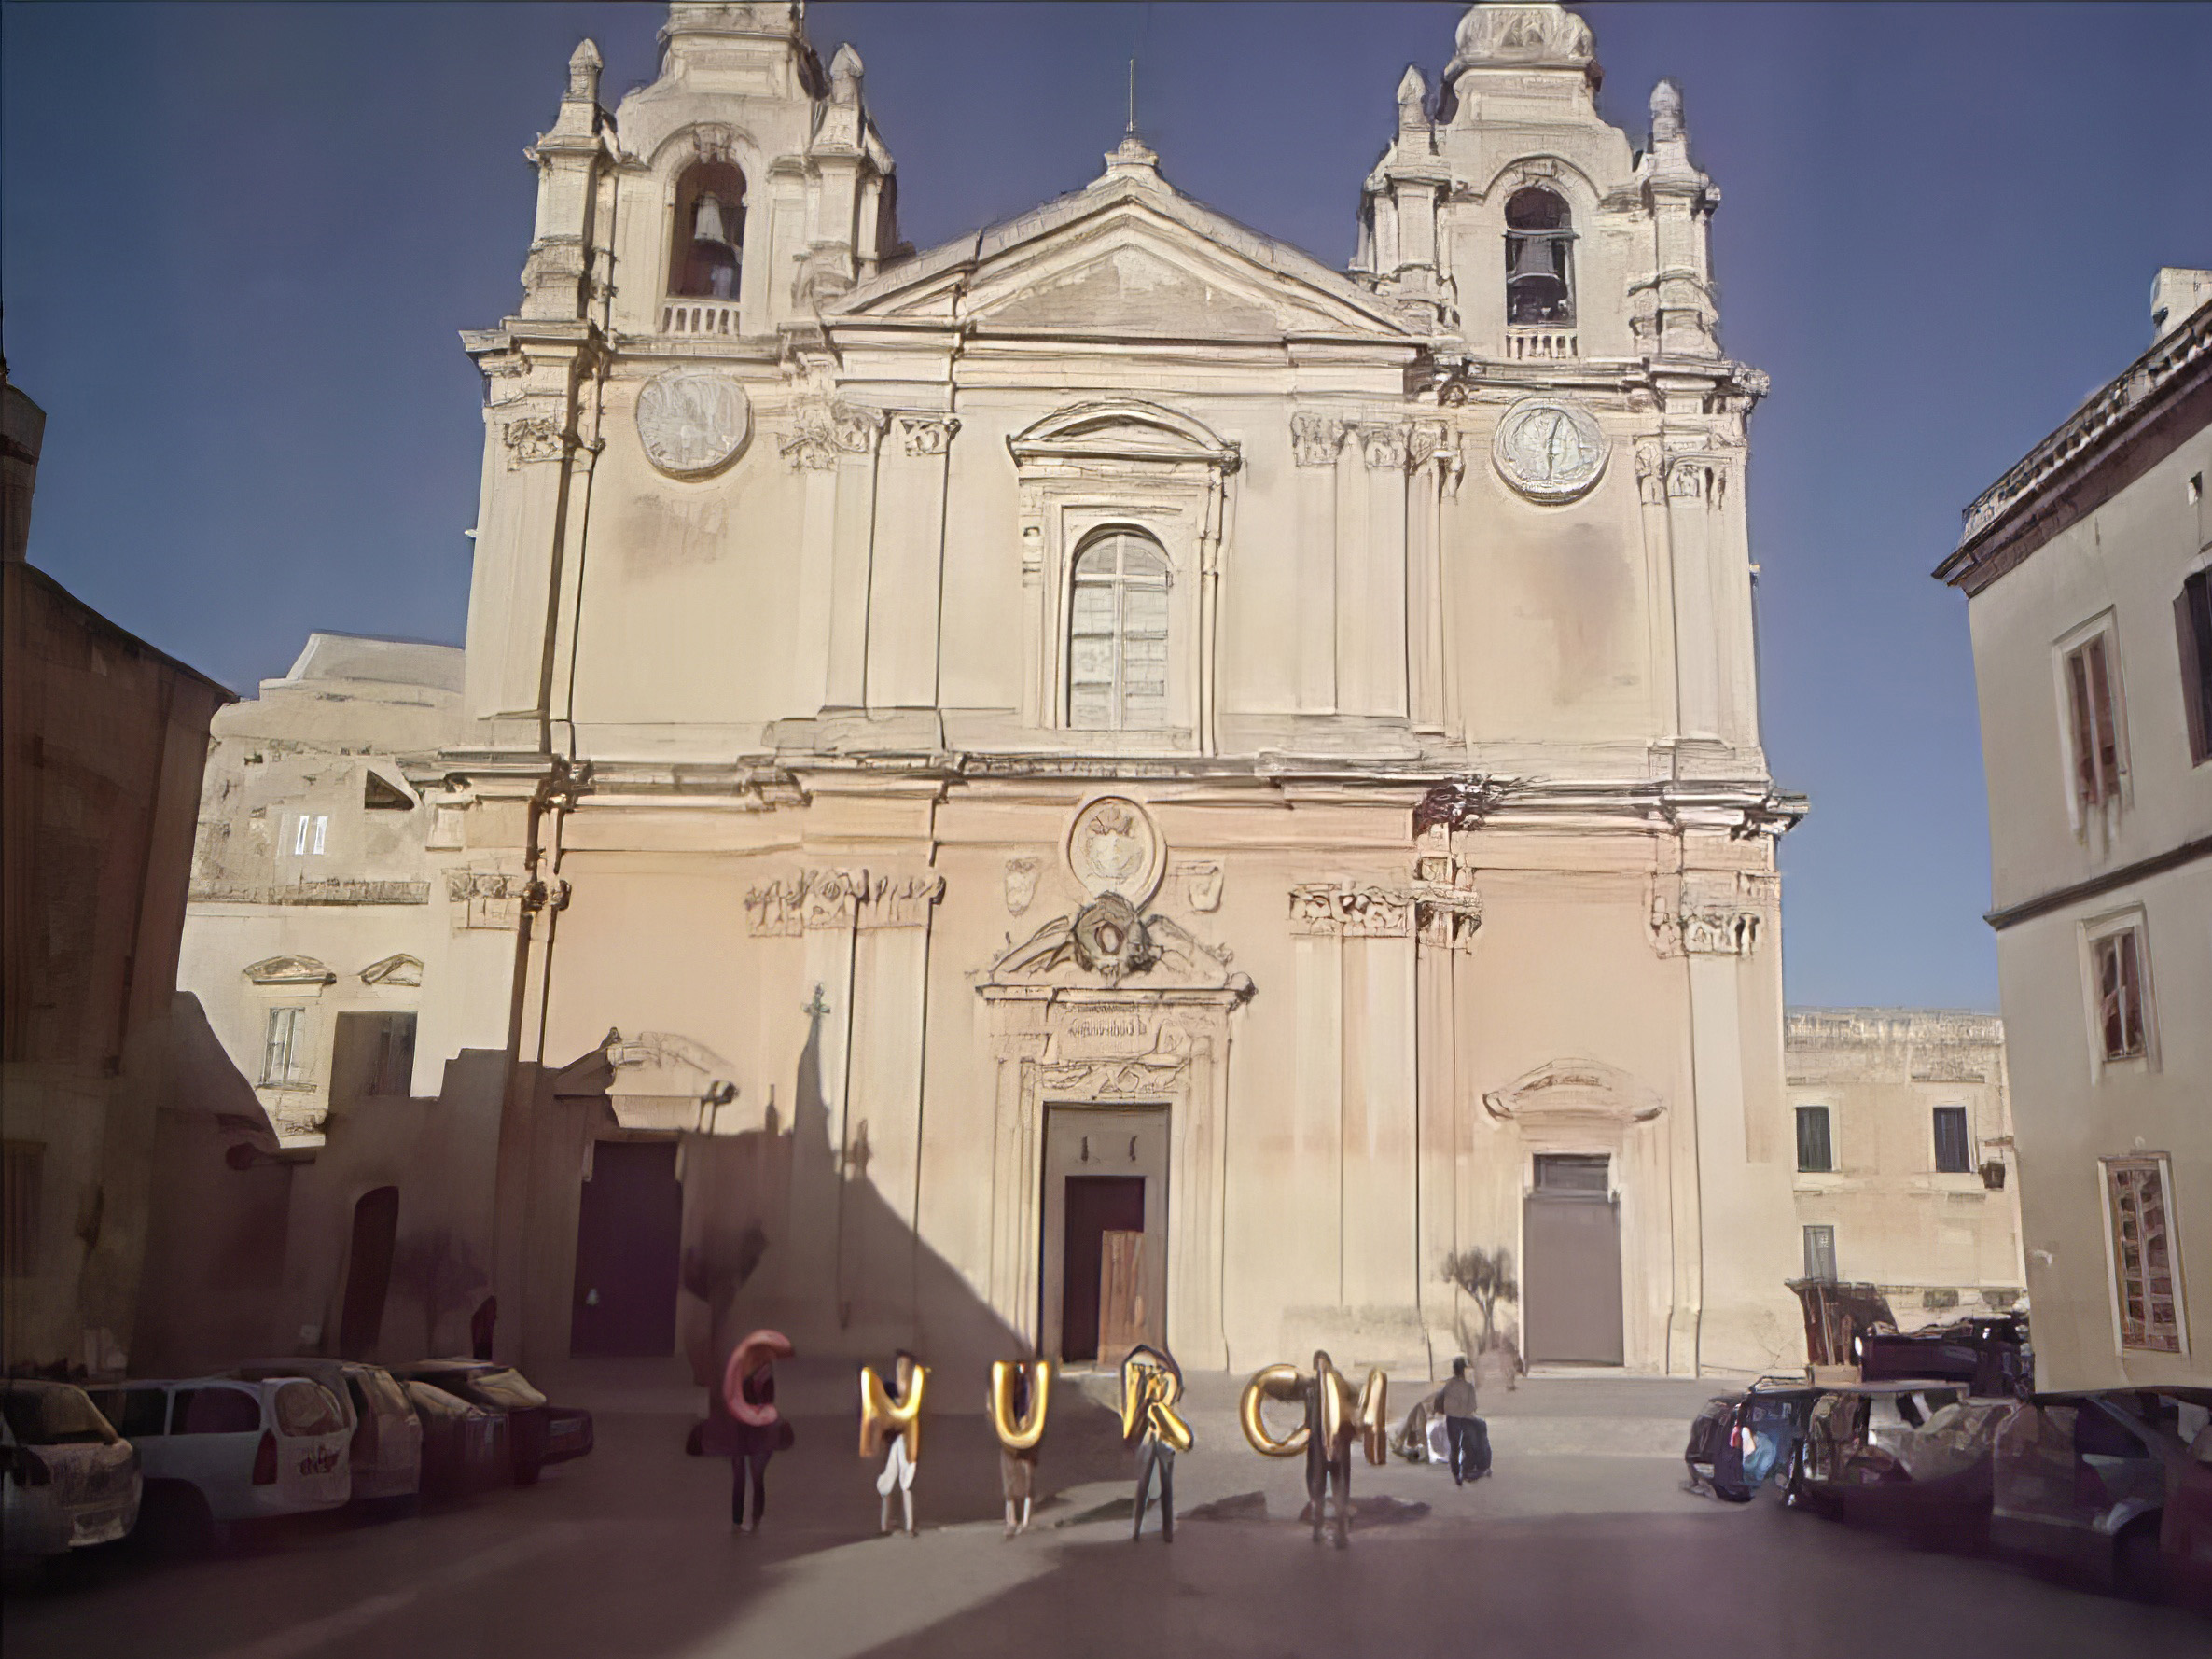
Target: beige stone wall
{"points": [[1941, 1245], [2115, 556]]}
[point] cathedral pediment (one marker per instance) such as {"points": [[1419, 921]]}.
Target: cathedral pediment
{"points": [[1129, 256], [1107, 944]]}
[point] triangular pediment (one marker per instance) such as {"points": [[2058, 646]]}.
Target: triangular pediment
{"points": [[290, 971], [1131, 256]]}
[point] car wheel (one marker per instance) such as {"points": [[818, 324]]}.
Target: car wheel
{"points": [[2138, 1570], [174, 1519]]}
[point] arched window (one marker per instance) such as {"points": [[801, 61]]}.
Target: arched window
{"points": [[1540, 247], [709, 231], [1117, 643]]}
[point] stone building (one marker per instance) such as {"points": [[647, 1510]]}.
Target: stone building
{"points": [[1105, 778], [104, 739], [2088, 575], [1902, 1122]]}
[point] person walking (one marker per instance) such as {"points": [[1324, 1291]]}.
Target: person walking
{"points": [[1467, 1435], [1329, 1458], [748, 1423], [1019, 1433], [1152, 1391], [902, 1383]]}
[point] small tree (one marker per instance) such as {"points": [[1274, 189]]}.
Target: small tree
{"points": [[1487, 1277], [441, 1273]]}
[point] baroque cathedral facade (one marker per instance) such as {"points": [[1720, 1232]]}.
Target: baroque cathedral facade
{"points": [[1103, 780]]}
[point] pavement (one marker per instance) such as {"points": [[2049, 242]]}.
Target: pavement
{"points": [[1583, 1541]]}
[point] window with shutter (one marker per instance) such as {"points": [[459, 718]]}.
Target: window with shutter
{"points": [[1814, 1152], [2143, 1284], [2192, 626], [1955, 1152], [2117, 957], [2092, 706]]}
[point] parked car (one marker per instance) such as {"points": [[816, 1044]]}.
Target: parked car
{"points": [[67, 1479], [386, 1449], [219, 1450], [1913, 1455], [2081, 1483], [538, 1433], [1739, 1440], [1989, 1357], [464, 1445]]}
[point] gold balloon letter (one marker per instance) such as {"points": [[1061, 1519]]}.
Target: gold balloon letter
{"points": [[1374, 1418], [880, 1419], [1022, 1436], [1151, 1386], [1277, 1382]]}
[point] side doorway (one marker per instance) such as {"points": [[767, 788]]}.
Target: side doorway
{"points": [[368, 1272], [629, 1229], [1570, 1242], [1103, 1284]]}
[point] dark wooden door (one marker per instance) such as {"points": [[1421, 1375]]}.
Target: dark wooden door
{"points": [[368, 1272], [1097, 1204], [628, 1232], [1570, 1288]]}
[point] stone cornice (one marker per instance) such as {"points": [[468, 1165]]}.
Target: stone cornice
{"points": [[2160, 399]]}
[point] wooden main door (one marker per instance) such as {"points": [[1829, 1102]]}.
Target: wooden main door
{"points": [[628, 1229], [1103, 1284], [1571, 1236]]}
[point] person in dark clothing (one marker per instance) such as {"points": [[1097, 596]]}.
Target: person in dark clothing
{"points": [[1328, 1461], [744, 1423], [1151, 1384], [1467, 1434]]}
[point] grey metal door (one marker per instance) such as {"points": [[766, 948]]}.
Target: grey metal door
{"points": [[1570, 1232]]}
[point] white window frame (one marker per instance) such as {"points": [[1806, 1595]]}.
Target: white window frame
{"points": [[291, 1072], [2103, 627], [2106, 1171], [1118, 584], [2094, 930], [1835, 1272], [309, 834]]}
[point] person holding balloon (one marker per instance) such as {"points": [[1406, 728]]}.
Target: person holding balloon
{"points": [[756, 1431]]}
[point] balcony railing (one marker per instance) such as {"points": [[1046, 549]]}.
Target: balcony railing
{"points": [[1540, 345], [717, 317]]}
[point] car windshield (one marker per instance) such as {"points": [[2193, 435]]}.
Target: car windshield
{"points": [[382, 1391], [505, 1388], [55, 1415], [303, 1408], [436, 1401]]}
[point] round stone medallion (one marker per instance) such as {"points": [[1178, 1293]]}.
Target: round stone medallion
{"points": [[1549, 448], [1114, 847], [692, 421]]}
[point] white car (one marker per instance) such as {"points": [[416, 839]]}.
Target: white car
{"points": [[386, 1449], [219, 1450], [70, 1479]]}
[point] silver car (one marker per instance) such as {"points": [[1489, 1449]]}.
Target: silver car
{"points": [[70, 1479]]}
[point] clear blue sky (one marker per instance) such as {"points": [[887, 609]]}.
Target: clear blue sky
{"points": [[238, 242]]}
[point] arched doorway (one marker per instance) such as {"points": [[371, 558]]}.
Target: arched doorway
{"points": [[368, 1271]]}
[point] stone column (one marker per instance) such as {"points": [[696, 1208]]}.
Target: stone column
{"points": [[1315, 443], [1316, 1234], [1383, 691], [908, 567], [855, 436]]}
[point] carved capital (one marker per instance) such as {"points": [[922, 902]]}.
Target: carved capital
{"points": [[1710, 913], [900, 900], [1697, 478], [1344, 910], [1317, 440], [824, 432], [531, 438], [928, 433], [1651, 472], [1383, 445], [1447, 908]]}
